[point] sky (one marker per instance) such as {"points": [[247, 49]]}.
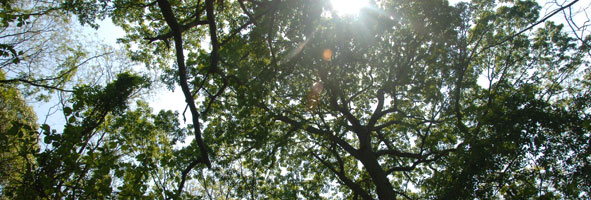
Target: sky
{"points": [[108, 33], [165, 99]]}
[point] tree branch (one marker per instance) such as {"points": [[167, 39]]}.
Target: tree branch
{"points": [[33, 83], [166, 10], [531, 26], [377, 113], [344, 144], [399, 154], [183, 28], [250, 21], [215, 46], [241, 2], [343, 177]]}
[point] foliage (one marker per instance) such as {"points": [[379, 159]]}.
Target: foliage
{"points": [[289, 100], [42, 51], [18, 142], [74, 163]]}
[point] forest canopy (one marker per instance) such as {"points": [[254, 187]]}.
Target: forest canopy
{"points": [[298, 99]]}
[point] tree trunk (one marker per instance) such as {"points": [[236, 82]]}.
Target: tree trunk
{"points": [[378, 175]]}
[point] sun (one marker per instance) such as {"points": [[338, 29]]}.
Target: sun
{"points": [[348, 7]]}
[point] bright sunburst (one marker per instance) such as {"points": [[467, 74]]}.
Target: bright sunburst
{"points": [[348, 7]]}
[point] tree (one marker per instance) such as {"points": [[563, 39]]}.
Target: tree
{"points": [[576, 20], [75, 163], [41, 53], [289, 100], [427, 98], [19, 142], [44, 52]]}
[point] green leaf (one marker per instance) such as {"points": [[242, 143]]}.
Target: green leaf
{"points": [[46, 129], [67, 111], [72, 119]]}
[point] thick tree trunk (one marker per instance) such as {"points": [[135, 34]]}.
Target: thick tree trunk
{"points": [[378, 175]]}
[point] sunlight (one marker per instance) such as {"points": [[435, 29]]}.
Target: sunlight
{"points": [[348, 7]]}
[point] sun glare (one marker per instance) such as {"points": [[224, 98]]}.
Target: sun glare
{"points": [[348, 7]]}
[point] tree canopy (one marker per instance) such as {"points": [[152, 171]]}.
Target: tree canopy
{"points": [[290, 99]]}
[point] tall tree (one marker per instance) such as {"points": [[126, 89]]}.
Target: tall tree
{"points": [[197, 68], [413, 99]]}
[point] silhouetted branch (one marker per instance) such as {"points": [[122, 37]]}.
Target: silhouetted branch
{"points": [[176, 29]]}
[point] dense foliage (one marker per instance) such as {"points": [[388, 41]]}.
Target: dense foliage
{"points": [[18, 142], [288, 99]]}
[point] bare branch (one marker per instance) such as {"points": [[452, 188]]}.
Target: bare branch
{"points": [[34, 83]]}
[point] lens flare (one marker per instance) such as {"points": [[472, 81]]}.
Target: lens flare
{"points": [[327, 55]]}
